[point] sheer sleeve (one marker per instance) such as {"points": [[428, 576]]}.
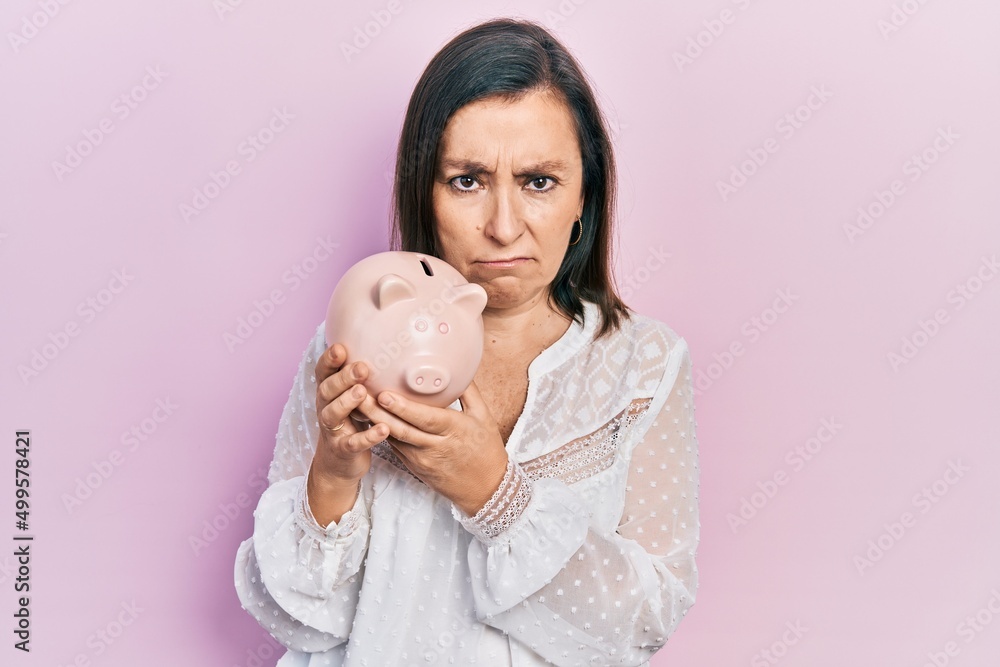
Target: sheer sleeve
{"points": [[298, 428], [298, 579], [575, 595]]}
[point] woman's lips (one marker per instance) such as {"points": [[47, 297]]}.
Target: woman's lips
{"points": [[507, 264]]}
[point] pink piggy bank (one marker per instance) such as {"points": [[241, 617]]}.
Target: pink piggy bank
{"points": [[415, 320]]}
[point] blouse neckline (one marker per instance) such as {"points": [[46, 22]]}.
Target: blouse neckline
{"points": [[567, 345], [571, 342]]}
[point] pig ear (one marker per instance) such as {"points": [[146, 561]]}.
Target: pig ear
{"points": [[470, 297], [391, 289]]}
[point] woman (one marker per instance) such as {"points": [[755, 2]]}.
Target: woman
{"points": [[548, 516]]}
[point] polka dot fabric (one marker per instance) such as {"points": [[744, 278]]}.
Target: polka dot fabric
{"points": [[585, 554]]}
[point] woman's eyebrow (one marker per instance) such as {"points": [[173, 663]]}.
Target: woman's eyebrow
{"points": [[476, 167]]}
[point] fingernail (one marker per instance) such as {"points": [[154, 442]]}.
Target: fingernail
{"points": [[385, 399], [356, 371], [358, 391]]}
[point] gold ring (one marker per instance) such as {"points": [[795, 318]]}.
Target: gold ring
{"points": [[338, 427]]}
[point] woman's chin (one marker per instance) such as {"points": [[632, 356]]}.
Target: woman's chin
{"points": [[504, 293]]}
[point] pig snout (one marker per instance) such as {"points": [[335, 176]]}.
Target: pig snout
{"points": [[427, 377]]}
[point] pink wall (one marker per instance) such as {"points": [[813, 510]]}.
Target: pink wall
{"points": [[836, 450]]}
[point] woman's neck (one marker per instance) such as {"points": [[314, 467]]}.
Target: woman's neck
{"points": [[522, 331]]}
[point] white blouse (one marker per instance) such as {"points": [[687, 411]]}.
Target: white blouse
{"points": [[585, 554]]}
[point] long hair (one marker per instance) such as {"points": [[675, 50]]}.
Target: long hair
{"points": [[507, 59]]}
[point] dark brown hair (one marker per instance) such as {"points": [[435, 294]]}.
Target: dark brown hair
{"points": [[507, 59]]}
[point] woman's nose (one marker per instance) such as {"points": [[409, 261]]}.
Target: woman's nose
{"points": [[504, 220]]}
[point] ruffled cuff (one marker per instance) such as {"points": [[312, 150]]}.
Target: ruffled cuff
{"points": [[497, 521], [348, 523], [304, 565], [527, 555], [256, 600]]}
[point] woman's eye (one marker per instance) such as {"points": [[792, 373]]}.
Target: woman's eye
{"points": [[468, 183], [541, 180], [463, 183]]}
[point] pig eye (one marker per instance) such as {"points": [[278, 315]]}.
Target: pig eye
{"points": [[443, 327], [420, 325]]}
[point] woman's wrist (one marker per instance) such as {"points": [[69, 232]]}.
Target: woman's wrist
{"points": [[483, 490], [330, 498], [498, 516]]}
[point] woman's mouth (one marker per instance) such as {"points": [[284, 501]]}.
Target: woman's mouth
{"points": [[505, 263]]}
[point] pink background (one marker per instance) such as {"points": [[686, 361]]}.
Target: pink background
{"points": [[681, 128]]}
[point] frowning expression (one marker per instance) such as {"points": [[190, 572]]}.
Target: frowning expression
{"points": [[508, 186]]}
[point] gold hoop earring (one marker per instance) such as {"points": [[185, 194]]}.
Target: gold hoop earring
{"points": [[580, 235]]}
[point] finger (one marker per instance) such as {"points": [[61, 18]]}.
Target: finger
{"points": [[426, 418], [360, 419], [365, 439], [331, 425], [330, 361], [335, 416], [343, 380], [397, 427], [376, 414], [472, 401]]}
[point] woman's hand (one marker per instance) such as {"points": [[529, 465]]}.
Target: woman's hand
{"points": [[461, 455], [343, 456]]}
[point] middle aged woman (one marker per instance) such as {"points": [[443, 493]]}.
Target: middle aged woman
{"points": [[550, 515]]}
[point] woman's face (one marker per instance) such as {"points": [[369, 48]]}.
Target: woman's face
{"points": [[509, 184]]}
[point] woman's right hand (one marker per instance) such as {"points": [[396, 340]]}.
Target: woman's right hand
{"points": [[343, 456]]}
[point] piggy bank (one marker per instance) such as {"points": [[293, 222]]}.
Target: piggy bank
{"points": [[415, 320]]}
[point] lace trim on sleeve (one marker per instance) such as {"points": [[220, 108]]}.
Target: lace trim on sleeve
{"points": [[572, 462], [384, 450], [348, 522], [503, 509], [587, 456]]}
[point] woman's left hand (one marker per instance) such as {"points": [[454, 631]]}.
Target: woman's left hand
{"points": [[461, 455]]}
